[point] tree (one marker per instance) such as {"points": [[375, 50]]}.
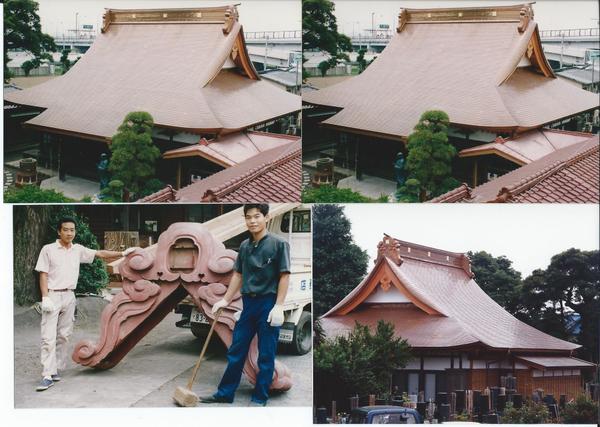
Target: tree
{"points": [[22, 30], [339, 264], [582, 411], [570, 286], [498, 279], [323, 67], [320, 31], [331, 194], [358, 364], [34, 194], [360, 59], [133, 152], [30, 225], [64, 60], [429, 160]]}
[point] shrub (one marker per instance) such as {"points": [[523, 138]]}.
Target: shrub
{"points": [[582, 411], [34, 194], [330, 194]]}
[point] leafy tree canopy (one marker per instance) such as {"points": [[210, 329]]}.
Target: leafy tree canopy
{"points": [[339, 264], [497, 278], [359, 363], [22, 30], [320, 31], [134, 154], [429, 160]]}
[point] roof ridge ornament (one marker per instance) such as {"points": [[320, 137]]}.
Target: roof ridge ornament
{"points": [[231, 16], [402, 20], [388, 247], [526, 15]]}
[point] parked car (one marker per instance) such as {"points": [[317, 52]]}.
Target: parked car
{"points": [[382, 414]]}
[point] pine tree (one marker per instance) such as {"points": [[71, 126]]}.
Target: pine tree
{"points": [[134, 154]]}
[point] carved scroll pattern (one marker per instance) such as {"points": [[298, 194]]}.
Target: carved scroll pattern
{"points": [[136, 298], [151, 288]]}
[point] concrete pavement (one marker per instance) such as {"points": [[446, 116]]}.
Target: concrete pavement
{"points": [[146, 377]]}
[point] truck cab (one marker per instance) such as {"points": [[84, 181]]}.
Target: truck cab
{"points": [[295, 336], [385, 415]]}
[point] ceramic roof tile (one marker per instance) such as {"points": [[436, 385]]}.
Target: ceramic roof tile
{"points": [[567, 175]]}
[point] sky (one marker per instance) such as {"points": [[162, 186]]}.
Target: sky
{"points": [[529, 235], [353, 15], [58, 16]]}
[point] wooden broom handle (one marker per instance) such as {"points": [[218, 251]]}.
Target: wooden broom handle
{"points": [[212, 328]]}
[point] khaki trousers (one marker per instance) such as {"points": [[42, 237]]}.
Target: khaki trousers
{"points": [[57, 327]]}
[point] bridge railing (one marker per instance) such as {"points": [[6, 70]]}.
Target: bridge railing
{"points": [[273, 35], [570, 33], [73, 39]]}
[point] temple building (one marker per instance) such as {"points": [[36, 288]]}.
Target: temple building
{"points": [[188, 68], [483, 66], [461, 339]]}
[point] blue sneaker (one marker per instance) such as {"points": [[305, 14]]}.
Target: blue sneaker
{"points": [[257, 403], [45, 384], [56, 377]]}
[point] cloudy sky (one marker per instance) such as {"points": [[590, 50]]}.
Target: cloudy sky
{"points": [[549, 14], [58, 16], [529, 235]]}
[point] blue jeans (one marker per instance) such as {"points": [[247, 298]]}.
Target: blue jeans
{"points": [[252, 321]]}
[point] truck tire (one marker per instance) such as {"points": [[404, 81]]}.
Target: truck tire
{"points": [[199, 330], [302, 341]]}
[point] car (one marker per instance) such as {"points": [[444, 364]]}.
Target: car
{"points": [[383, 414]]}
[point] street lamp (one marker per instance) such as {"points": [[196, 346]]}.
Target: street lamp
{"points": [[76, 27], [372, 24]]}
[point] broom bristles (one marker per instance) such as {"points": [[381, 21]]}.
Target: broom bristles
{"points": [[185, 397]]}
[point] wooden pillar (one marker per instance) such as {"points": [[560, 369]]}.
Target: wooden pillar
{"points": [[178, 179], [357, 166], [62, 174], [475, 172]]}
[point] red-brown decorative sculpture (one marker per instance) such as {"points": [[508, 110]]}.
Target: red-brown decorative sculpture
{"points": [[188, 260]]}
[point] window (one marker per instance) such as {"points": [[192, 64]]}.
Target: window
{"points": [[394, 419], [300, 224]]}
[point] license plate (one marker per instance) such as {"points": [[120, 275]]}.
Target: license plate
{"points": [[286, 335], [198, 317]]}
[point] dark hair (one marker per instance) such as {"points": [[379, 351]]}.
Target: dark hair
{"points": [[262, 207], [64, 219]]}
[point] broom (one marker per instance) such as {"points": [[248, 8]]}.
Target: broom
{"points": [[185, 396]]}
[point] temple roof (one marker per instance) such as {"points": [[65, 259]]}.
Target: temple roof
{"points": [[567, 175], [483, 66], [528, 146], [274, 175], [231, 149], [448, 308], [188, 68]]}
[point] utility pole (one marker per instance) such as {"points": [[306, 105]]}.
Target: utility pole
{"points": [[76, 26], [266, 47]]}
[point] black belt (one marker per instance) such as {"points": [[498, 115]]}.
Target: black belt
{"points": [[59, 290], [255, 295]]}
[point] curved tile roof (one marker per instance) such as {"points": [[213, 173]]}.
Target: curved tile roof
{"points": [[484, 74], [189, 68], [439, 279]]}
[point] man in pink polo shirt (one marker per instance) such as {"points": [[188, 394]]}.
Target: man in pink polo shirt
{"points": [[58, 265]]}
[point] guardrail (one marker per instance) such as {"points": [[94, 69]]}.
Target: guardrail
{"points": [[273, 35], [570, 33]]}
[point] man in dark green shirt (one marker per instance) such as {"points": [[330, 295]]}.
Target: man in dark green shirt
{"points": [[262, 271]]}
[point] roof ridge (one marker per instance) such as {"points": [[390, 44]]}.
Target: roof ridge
{"points": [[532, 180], [463, 191], [225, 15]]}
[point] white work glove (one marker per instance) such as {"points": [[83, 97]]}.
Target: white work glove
{"points": [[276, 315], [237, 315], [128, 251], [47, 305], [219, 304]]}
